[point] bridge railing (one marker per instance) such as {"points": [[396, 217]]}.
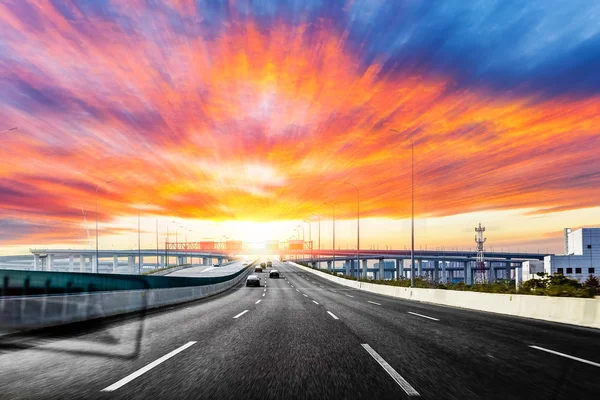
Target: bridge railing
{"points": [[28, 283]]}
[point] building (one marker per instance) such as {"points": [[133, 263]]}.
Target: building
{"points": [[582, 255], [530, 269]]}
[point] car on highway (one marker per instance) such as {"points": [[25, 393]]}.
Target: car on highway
{"points": [[263, 265], [274, 274], [269, 264], [252, 280], [258, 269], [216, 265]]}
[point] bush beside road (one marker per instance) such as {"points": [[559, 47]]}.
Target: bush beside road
{"points": [[545, 285]]}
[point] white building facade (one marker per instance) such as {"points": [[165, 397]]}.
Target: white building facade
{"points": [[581, 258]]}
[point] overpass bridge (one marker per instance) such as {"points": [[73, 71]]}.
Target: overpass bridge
{"points": [[123, 261], [434, 265], [384, 264]]}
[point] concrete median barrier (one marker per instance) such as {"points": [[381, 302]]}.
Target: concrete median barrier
{"points": [[567, 310]]}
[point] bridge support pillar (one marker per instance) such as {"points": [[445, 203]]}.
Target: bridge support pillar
{"points": [[364, 268], [162, 262], [444, 274], [71, 262], [436, 271], [130, 264], [490, 273], [220, 260], [419, 267], [50, 261], [469, 273], [329, 264], [36, 262], [347, 264], [115, 263], [382, 269], [82, 263], [399, 269]]}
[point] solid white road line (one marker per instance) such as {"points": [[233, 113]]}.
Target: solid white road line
{"points": [[265, 290], [242, 313], [566, 356], [421, 315], [388, 368], [257, 301], [332, 315], [304, 295], [297, 291], [372, 302], [145, 369], [322, 286], [350, 295], [315, 302], [263, 294]]}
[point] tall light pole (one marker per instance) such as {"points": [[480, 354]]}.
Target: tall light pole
{"points": [[412, 230], [319, 217], [357, 231], [177, 243], [166, 244], [333, 210], [309, 237], [301, 227], [139, 246], [97, 187]]}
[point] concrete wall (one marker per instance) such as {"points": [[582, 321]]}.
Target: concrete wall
{"points": [[568, 310], [29, 312]]}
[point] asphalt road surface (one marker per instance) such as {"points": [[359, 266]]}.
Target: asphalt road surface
{"points": [[302, 336]]}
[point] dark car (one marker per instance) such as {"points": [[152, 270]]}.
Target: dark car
{"points": [[269, 264], [274, 274], [252, 280], [263, 265]]}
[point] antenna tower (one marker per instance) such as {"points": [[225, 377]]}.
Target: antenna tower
{"points": [[480, 272]]}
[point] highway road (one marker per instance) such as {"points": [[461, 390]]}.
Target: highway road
{"points": [[302, 336]]}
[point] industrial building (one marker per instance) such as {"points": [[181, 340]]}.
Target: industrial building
{"points": [[582, 255]]}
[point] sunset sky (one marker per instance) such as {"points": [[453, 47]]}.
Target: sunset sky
{"points": [[242, 118]]}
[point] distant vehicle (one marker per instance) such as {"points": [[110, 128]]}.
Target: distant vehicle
{"points": [[269, 264], [274, 274], [263, 265], [340, 274], [252, 280], [246, 262], [216, 265], [257, 269]]}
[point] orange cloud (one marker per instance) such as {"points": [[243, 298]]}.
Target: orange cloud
{"points": [[266, 125]]}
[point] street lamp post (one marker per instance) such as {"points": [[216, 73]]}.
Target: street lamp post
{"points": [[333, 211], [97, 187], [309, 238], [319, 217], [301, 227], [157, 243], [357, 231], [177, 243], [412, 174], [139, 246]]}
